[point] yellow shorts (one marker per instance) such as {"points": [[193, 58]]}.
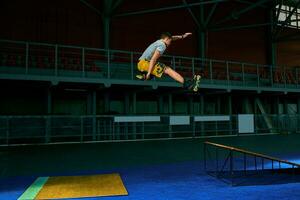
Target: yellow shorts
{"points": [[158, 69]]}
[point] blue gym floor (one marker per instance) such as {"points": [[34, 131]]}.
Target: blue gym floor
{"points": [[185, 180]]}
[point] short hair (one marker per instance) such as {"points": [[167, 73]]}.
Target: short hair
{"points": [[165, 35]]}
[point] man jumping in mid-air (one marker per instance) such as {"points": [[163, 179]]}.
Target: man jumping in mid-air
{"points": [[149, 67]]}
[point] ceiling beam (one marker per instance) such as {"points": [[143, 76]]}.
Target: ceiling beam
{"points": [[249, 3], [168, 8], [278, 10], [210, 14], [192, 14], [235, 15], [239, 27], [91, 7]]}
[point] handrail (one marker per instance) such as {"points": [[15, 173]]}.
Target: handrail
{"points": [[134, 52], [104, 61], [251, 153], [116, 115]]}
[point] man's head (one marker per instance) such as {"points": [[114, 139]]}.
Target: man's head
{"points": [[166, 37]]}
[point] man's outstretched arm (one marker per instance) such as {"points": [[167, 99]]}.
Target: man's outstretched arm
{"points": [[179, 37]]}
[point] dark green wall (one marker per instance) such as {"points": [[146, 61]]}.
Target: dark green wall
{"points": [[22, 101], [31, 99], [70, 158]]}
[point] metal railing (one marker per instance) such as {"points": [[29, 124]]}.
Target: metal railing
{"points": [[231, 164], [53, 129], [62, 61]]}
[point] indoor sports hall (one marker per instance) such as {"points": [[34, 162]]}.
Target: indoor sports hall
{"points": [[150, 100]]}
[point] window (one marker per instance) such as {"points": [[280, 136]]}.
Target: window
{"points": [[284, 12]]}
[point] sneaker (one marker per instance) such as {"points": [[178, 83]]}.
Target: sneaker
{"points": [[188, 84], [196, 80], [140, 76]]}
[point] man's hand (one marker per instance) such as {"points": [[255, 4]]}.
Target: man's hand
{"points": [[186, 35], [148, 76], [180, 37]]}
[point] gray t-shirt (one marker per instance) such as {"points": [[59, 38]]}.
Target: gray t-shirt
{"points": [[158, 45]]}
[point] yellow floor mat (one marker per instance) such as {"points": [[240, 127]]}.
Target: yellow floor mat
{"points": [[82, 186]]}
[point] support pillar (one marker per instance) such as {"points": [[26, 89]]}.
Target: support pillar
{"points": [[272, 47], [160, 104], [106, 103], [94, 112], [49, 101]]}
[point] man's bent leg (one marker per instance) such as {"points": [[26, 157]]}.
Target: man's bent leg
{"points": [[186, 83], [172, 73]]}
